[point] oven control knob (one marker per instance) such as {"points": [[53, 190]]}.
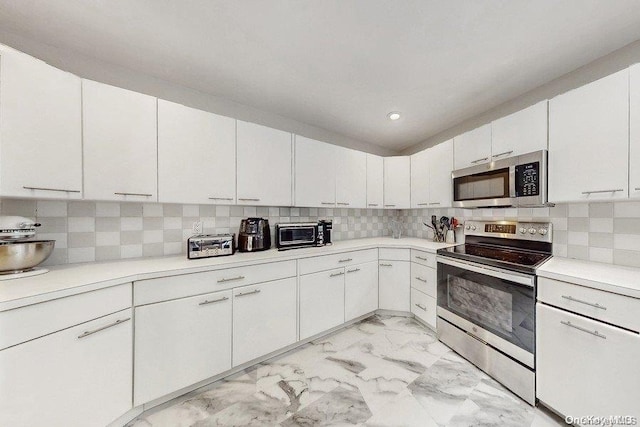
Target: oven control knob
{"points": [[532, 230], [473, 228], [468, 227], [542, 231], [523, 230]]}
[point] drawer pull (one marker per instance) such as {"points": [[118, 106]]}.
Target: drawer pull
{"points": [[353, 271], [389, 206], [207, 302], [637, 189], [601, 191], [502, 154], [257, 291], [345, 260], [434, 203], [133, 194], [373, 204], [249, 200], [423, 204], [421, 307], [596, 305], [220, 198], [422, 258], [480, 160], [336, 274], [230, 279], [421, 279], [111, 325], [343, 204], [386, 265], [51, 189], [596, 333], [327, 203]]}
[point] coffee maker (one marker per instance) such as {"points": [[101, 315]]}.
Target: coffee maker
{"points": [[254, 235]]}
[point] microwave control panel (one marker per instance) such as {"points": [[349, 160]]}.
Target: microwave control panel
{"points": [[528, 179]]}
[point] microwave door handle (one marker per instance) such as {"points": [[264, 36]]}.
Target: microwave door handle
{"points": [[512, 182]]}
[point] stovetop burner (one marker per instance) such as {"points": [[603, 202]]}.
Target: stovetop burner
{"points": [[498, 256]]}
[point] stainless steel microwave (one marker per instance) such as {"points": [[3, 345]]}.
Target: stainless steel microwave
{"points": [[515, 181]]}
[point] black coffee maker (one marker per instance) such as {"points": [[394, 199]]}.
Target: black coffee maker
{"points": [[254, 235]]}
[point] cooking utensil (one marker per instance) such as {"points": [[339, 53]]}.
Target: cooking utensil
{"points": [[19, 256]]}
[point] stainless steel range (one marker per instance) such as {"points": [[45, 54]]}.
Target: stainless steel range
{"points": [[487, 296]]}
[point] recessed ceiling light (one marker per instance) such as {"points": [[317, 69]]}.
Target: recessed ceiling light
{"points": [[394, 115]]}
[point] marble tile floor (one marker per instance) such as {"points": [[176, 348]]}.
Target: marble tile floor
{"points": [[383, 371]]}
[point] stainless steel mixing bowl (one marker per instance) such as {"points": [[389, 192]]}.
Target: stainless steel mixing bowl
{"points": [[18, 256]]}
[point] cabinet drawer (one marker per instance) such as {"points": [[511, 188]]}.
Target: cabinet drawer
{"points": [[424, 307], [328, 262], [393, 254], [423, 278], [184, 285], [424, 258], [33, 321], [612, 308]]}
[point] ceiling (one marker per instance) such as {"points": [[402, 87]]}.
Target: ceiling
{"points": [[341, 65]]}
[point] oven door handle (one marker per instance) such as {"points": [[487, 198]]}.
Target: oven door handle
{"points": [[511, 276]]}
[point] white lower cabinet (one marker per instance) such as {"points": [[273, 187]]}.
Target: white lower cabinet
{"points": [[321, 301], [423, 306], [80, 376], [181, 342], [360, 290], [394, 285], [580, 373], [264, 319]]}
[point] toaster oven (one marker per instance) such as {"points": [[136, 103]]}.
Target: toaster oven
{"points": [[210, 245], [299, 235]]}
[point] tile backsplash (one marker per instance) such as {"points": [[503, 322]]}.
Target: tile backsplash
{"points": [[602, 232], [100, 231]]}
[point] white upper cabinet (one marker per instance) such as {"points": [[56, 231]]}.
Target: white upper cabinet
{"points": [[397, 182], [473, 148], [634, 131], [191, 140], [351, 178], [589, 141], [315, 171], [119, 143], [375, 181], [440, 165], [40, 129], [420, 166], [264, 153], [521, 132]]}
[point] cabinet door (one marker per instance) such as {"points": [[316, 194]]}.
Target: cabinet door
{"points": [[587, 126], [420, 165], [472, 148], [375, 181], [579, 373], [423, 306], [397, 182], [264, 319], [394, 285], [41, 150], [351, 178], [321, 302], [521, 132], [264, 166], [360, 290], [181, 342], [634, 131], [189, 141], [69, 378], [440, 168], [119, 130], [315, 173]]}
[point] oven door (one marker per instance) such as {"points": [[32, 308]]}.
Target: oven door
{"points": [[493, 305], [487, 185]]}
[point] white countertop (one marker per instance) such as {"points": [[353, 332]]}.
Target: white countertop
{"points": [[606, 277], [62, 281]]}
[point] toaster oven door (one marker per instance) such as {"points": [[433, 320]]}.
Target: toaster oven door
{"points": [[297, 236]]}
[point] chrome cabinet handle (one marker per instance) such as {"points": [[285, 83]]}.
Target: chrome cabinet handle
{"points": [[386, 265], [480, 160], [373, 204], [336, 274], [327, 203], [206, 302], [636, 189], [592, 304], [249, 200], [422, 258], [353, 271], [602, 191], [389, 206], [434, 203], [502, 154], [220, 198], [595, 333], [343, 204], [257, 291], [230, 279], [345, 260], [422, 307], [421, 279], [50, 189], [134, 194], [111, 325], [423, 204]]}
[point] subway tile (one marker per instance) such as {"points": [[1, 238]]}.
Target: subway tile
{"points": [[52, 225], [81, 240], [107, 253], [601, 255], [172, 210], [130, 209], [130, 237], [560, 236], [626, 209], [81, 209], [250, 211], [108, 238], [58, 256], [601, 240], [578, 252], [223, 211], [60, 238], [152, 236], [49, 208], [626, 225], [172, 248], [285, 211], [578, 210], [236, 211], [107, 223], [559, 224], [81, 255], [601, 210], [153, 249], [153, 223], [172, 236], [108, 209], [541, 212], [188, 222], [580, 238], [78, 224], [559, 250], [172, 223], [626, 241], [601, 225], [626, 257], [578, 224], [312, 212], [190, 210], [152, 210], [130, 223], [19, 207], [558, 211], [130, 251], [207, 211]]}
